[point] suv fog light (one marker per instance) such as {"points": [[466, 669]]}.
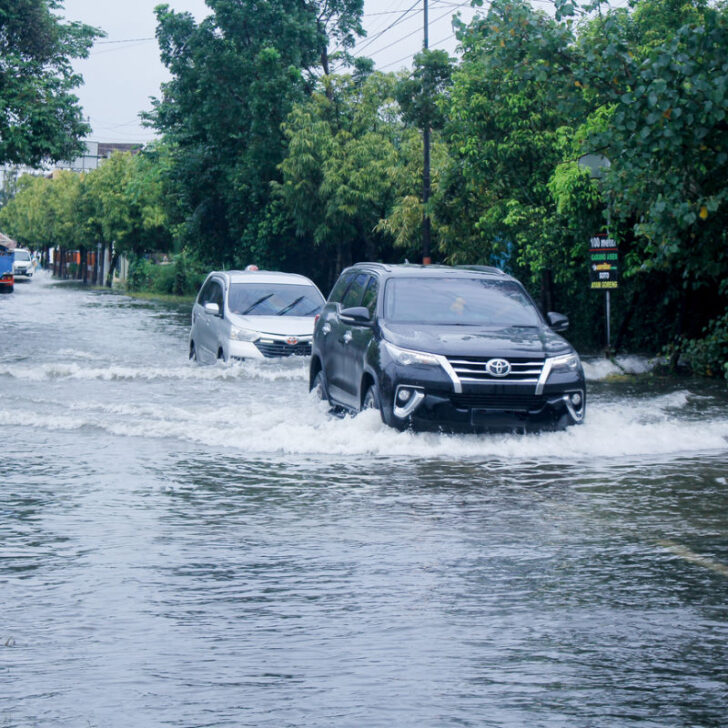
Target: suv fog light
{"points": [[403, 395], [576, 399]]}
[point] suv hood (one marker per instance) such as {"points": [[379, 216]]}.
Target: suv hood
{"points": [[511, 341], [280, 325]]}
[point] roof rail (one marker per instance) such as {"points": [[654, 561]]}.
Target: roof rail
{"points": [[482, 268], [372, 264]]}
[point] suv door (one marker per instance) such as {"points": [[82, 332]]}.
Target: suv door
{"points": [[322, 334], [337, 362], [361, 336]]}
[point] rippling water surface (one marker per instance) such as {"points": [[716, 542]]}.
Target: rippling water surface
{"points": [[207, 546]]}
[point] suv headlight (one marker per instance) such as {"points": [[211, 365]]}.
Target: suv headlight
{"points": [[243, 334], [407, 357], [566, 363]]}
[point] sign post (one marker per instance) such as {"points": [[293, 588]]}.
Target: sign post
{"points": [[604, 272]]}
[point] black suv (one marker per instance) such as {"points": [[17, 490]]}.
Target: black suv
{"points": [[434, 347]]}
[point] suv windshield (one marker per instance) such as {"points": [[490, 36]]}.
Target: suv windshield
{"points": [[458, 301], [22, 255], [274, 299]]}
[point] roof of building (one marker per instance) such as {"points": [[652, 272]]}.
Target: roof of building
{"points": [[7, 242]]}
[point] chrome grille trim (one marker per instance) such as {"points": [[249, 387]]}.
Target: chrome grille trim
{"points": [[445, 364], [544, 376], [473, 370]]}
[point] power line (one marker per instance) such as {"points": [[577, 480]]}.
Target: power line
{"points": [[389, 27], [414, 32], [125, 40], [114, 50], [396, 9], [412, 55]]}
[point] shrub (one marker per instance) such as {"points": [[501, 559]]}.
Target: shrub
{"points": [[709, 356], [140, 273], [182, 276]]}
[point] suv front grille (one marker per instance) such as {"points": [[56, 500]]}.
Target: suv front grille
{"points": [[510, 402], [473, 369], [281, 348]]}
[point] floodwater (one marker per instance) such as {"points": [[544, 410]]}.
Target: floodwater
{"points": [[207, 546]]}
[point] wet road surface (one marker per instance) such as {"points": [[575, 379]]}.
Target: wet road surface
{"points": [[207, 546]]}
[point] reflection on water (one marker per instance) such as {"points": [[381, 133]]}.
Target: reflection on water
{"points": [[190, 546]]}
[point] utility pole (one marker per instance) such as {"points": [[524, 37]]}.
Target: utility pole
{"points": [[426, 259]]}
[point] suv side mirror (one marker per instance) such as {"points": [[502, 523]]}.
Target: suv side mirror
{"points": [[557, 321], [356, 315], [212, 308]]}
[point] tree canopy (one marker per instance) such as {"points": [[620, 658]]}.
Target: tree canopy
{"points": [[235, 78], [40, 118]]}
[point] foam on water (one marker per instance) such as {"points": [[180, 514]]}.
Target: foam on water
{"points": [[293, 370], [307, 428], [68, 367], [597, 369]]}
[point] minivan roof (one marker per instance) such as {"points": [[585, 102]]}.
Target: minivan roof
{"points": [[262, 276]]}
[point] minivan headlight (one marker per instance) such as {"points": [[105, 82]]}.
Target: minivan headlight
{"points": [[243, 334], [406, 357], [566, 363]]}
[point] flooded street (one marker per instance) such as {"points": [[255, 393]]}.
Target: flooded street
{"points": [[207, 546]]}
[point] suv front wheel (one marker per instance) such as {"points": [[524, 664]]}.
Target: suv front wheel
{"points": [[373, 400]]}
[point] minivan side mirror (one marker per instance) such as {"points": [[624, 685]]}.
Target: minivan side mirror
{"points": [[212, 308], [356, 315], [557, 321]]}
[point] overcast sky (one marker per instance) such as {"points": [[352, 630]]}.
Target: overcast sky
{"points": [[124, 70]]}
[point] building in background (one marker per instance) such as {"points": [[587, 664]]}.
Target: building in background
{"points": [[95, 154]]}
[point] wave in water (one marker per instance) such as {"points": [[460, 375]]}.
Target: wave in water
{"points": [[597, 369], [612, 430], [282, 370], [287, 369]]}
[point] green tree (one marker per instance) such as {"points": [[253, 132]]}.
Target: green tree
{"points": [[40, 118], [27, 216], [340, 175], [127, 214], [512, 104], [657, 82], [235, 77]]}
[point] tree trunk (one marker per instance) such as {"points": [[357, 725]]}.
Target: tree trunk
{"points": [[84, 263], [102, 255], [627, 318], [112, 265], [95, 274], [339, 256], [678, 331], [547, 290]]}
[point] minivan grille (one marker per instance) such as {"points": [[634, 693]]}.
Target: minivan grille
{"points": [[473, 369], [281, 348]]}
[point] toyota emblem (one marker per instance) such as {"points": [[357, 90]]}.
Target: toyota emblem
{"points": [[292, 340], [498, 368]]}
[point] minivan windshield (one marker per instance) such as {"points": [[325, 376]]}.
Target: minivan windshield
{"points": [[458, 301], [22, 255], [274, 299]]}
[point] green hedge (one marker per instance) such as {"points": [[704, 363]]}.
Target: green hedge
{"points": [[180, 276]]}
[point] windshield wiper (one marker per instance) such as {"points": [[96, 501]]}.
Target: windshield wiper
{"points": [[258, 302], [290, 306]]}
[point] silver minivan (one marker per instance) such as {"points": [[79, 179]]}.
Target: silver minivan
{"points": [[253, 315]]}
